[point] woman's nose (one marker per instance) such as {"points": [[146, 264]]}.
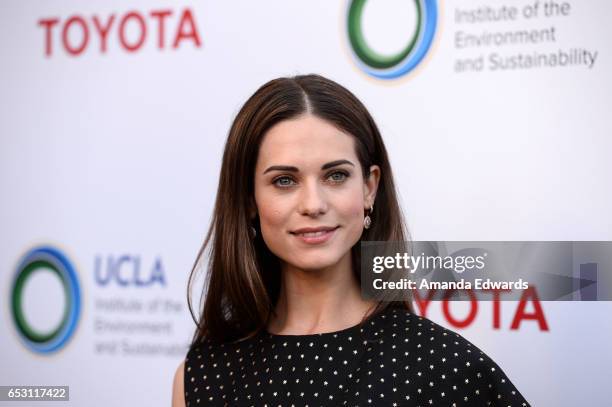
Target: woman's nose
{"points": [[312, 200]]}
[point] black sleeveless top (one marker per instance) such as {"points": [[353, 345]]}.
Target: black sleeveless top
{"points": [[394, 359]]}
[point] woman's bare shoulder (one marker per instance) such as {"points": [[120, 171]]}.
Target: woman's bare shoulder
{"points": [[178, 387]]}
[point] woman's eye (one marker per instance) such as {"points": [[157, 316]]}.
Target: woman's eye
{"points": [[281, 181], [338, 176]]}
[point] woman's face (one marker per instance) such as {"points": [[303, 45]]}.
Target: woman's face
{"points": [[308, 176]]}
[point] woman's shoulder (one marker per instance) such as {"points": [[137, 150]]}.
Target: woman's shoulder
{"points": [[204, 351], [426, 338], [445, 359], [203, 348], [413, 328], [178, 386]]}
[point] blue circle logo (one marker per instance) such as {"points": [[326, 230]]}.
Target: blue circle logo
{"points": [[398, 64], [37, 259]]}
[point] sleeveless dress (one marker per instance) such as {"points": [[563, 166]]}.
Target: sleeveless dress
{"points": [[395, 359]]}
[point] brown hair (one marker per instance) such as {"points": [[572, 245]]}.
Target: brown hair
{"points": [[243, 278]]}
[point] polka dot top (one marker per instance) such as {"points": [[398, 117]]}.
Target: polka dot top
{"points": [[395, 359]]}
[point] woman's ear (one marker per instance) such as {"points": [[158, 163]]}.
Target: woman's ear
{"points": [[252, 209], [371, 186]]}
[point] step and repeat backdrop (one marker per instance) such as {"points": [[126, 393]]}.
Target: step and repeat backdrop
{"points": [[114, 115]]}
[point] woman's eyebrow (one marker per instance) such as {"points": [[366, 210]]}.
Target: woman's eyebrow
{"points": [[295, 169]]}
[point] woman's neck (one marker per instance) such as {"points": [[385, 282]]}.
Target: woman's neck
{"points": [[318, 301]]}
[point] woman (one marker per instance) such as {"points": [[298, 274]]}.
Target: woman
{"points": [[305, 178]]}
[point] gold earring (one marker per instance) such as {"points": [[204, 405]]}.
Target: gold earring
{"points": [[367, 221]]}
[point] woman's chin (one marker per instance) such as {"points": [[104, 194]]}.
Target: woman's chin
{"points": [[316, 263]]}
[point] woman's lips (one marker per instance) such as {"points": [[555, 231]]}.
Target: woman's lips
{"points": [[316, 237]]}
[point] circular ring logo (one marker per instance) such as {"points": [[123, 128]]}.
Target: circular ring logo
{"points": [[402, 62], [46, 258]]}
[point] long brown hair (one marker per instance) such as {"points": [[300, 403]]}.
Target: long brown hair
{"points": [[243, 276]]}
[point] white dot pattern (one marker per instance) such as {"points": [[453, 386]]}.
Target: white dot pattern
{"points": [[395, 359]]}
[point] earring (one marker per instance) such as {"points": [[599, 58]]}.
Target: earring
{"points": [[253, 232], [367, 221]]}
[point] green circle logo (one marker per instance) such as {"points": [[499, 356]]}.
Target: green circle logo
{"points": [[398, 64], [46, 258]]}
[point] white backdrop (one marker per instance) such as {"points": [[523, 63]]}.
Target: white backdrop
{"points": [[112, 157]]}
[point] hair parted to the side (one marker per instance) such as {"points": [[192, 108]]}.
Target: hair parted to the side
{"points": [[243, 275]]}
